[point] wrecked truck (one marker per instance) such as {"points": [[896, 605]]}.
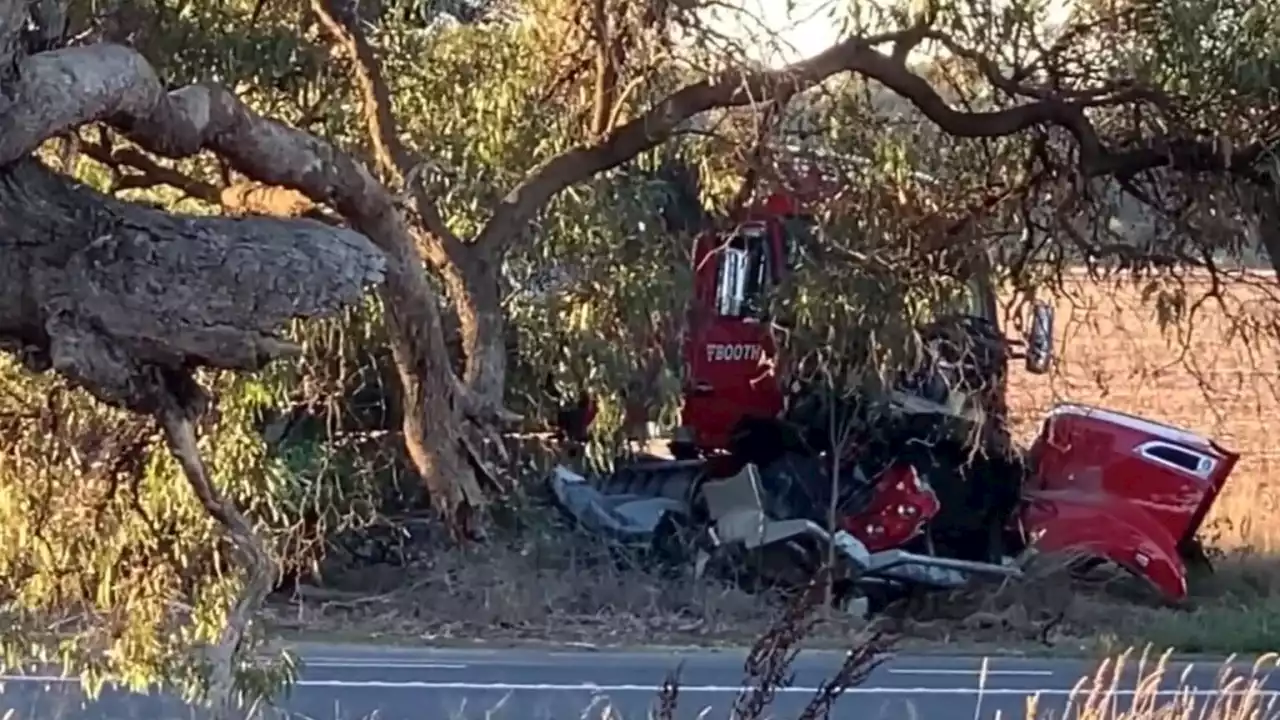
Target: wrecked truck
{"points": [[929, 491]]}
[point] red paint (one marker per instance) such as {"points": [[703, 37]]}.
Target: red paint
{"points": [[720, 391], [1091, 488], [1094, 489], [901, 507], [779, 204], [1109, 529]]}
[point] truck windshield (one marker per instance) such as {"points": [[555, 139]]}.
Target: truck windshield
{"points": [[973, 298]]}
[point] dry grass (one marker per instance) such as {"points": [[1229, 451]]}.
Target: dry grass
{"points": [[1215, 372], [538, 584], [554, 585], [1100, 696], [1239, 696]]}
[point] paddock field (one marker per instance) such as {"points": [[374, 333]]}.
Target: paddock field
{"points": [[1216, 370]]}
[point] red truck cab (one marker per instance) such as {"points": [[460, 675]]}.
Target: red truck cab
{"points": [[730, 356]]}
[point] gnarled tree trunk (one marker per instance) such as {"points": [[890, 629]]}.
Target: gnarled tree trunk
{"points": [[114, 84], [473, 287]]}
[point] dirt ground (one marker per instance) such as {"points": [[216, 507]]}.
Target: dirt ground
{"points": [[551, 585]]}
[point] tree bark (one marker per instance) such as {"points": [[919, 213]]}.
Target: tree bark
{"points": [[127, 300], [253, 555], [123, 297], [473, 288], [60, 90], [470, 274]]}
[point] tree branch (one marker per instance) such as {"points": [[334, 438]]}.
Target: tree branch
{"points": [[154, 172], [391, 157], [856, 55], [242, 198], [65, 89], [61, 90], [108, 291], [1190, 156], [606, 60], [261, 570]]}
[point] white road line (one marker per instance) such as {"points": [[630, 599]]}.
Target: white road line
{"points": [[377, 664], [369, 663], [976, 673], [701, 689]]}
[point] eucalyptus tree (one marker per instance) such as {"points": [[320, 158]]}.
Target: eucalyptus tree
{"points": [[1027, 111]]}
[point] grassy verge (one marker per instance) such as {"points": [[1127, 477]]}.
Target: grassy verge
{"points": [[544, 584], [1234, 609]]}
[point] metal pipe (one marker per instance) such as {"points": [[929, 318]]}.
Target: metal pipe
{"points": [[890, 559]]}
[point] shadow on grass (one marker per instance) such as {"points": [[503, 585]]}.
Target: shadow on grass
{"points": [[1233, 609]]}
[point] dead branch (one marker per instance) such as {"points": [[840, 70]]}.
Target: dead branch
{"points": [[237, 198], [858, 665], [152, 172], [767, 668]]}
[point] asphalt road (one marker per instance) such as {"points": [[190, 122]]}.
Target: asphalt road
{"points": [[357, 682]]}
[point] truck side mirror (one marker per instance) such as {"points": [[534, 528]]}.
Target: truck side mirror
{"points": [[1040, 338]]}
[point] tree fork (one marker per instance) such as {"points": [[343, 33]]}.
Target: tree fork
{"points": [[469, 272]]}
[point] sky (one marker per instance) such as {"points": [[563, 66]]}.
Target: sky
{"points": [[784, 31], [803, 30]]}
